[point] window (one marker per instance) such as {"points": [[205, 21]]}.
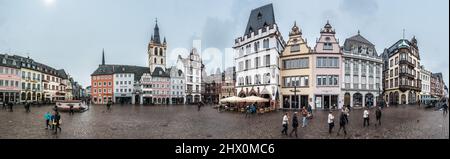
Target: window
{"points": [[109, 83], [396, 60], [391, 73], [257, 62], [391, 63], [347, 67], [295, 48], [247, 64], [267, 78], [296, 63], [247, 49], [328, 62], [328, 46], [396, 71], [363, 69], [256, 46], [266, 43], [267, 60], [241, 66]]}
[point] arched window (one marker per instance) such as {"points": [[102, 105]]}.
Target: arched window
{"points": [[154, 60], [162, 61], [161, 51], [156, 51], [267, 78]]}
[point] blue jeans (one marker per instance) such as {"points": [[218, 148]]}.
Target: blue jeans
{"points": [[304, 121]]}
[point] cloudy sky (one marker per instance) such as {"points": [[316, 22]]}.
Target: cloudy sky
{"points": [[71, 34]]}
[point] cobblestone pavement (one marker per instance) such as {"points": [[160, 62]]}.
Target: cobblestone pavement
{"points": [[185, 122]]}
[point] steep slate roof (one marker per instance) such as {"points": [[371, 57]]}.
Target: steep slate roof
{"points": [[399, 44], [358, 40], [62, 74], [9, 62], [159, 72], [259, 18], [112, 69]]}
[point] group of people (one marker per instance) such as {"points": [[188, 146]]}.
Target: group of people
{"points": [[306, 113], [8, 106], [344, 116], [53, 121]]}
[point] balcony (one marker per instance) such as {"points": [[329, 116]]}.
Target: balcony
{"points": [[406, 75], [406, 62], [404, 88]]}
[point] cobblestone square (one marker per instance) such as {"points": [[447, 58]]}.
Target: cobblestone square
{"points": [[185, 122]]}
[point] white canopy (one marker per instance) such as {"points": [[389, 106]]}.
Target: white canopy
{"points": [[252, 99], [232, 99]]}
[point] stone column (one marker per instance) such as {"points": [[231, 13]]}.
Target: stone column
{"points": [[133, 100], [141, 99], [363, 100]]}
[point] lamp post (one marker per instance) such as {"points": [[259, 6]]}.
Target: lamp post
{"points": [[295, 93]]}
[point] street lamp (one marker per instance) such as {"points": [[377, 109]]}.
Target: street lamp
{"points": [[295, 93]]}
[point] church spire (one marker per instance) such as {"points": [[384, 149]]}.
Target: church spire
{"points": [[103, 57], [156, 37]]}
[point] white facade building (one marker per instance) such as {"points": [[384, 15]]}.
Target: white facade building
{"points": [[425, 76], [361, 73], [177, 83], [257, 56], [123, 87], [192, 67]]}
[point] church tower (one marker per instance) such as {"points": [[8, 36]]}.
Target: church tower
{"points": [[157, 51]]}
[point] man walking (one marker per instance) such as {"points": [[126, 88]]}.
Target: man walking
{"points": [[285, 124], [330, 122], [366, 117], [108, 106], [445, 109], [378, 115], [27, 107], [342, 123], [57, 122], [10, 105], [304, 115], [4, 105], [294, 125]]}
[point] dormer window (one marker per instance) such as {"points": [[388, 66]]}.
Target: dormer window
{"points": [[328, 46], [259, 16]]}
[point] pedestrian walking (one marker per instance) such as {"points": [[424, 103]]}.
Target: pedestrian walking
{"points": [[378, 115], [304, 115], [346, 112], [330, 122], [57, 122], [52, 119], [200, 104], [47, 117], [27, 107], [310, 113], [3, 105], [71, 111], [366, 117], [294, 125], [285, 124], [10, 105], [342, 124], [108, 106], [445, 109]]}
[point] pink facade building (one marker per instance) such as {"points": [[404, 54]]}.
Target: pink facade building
{"points": [[326, 61]]}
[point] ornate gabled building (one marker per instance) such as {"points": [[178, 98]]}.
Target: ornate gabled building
{"points": [[177, 83], [425, 94], [257, 55], [362, 72], [192, 66], [326, 68], [228, 83], [401, 74], [437, 85], [296, 70]]}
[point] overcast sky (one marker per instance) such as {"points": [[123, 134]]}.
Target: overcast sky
{"points": [[71, 34]]}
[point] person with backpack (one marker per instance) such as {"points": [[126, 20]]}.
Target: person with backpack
{"points": [[378, 115], [294, 125], [330, 122], [342, 124], [57, 122], [47, 118]]}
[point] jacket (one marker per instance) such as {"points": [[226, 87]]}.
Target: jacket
{"points": [[295, 121]]}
